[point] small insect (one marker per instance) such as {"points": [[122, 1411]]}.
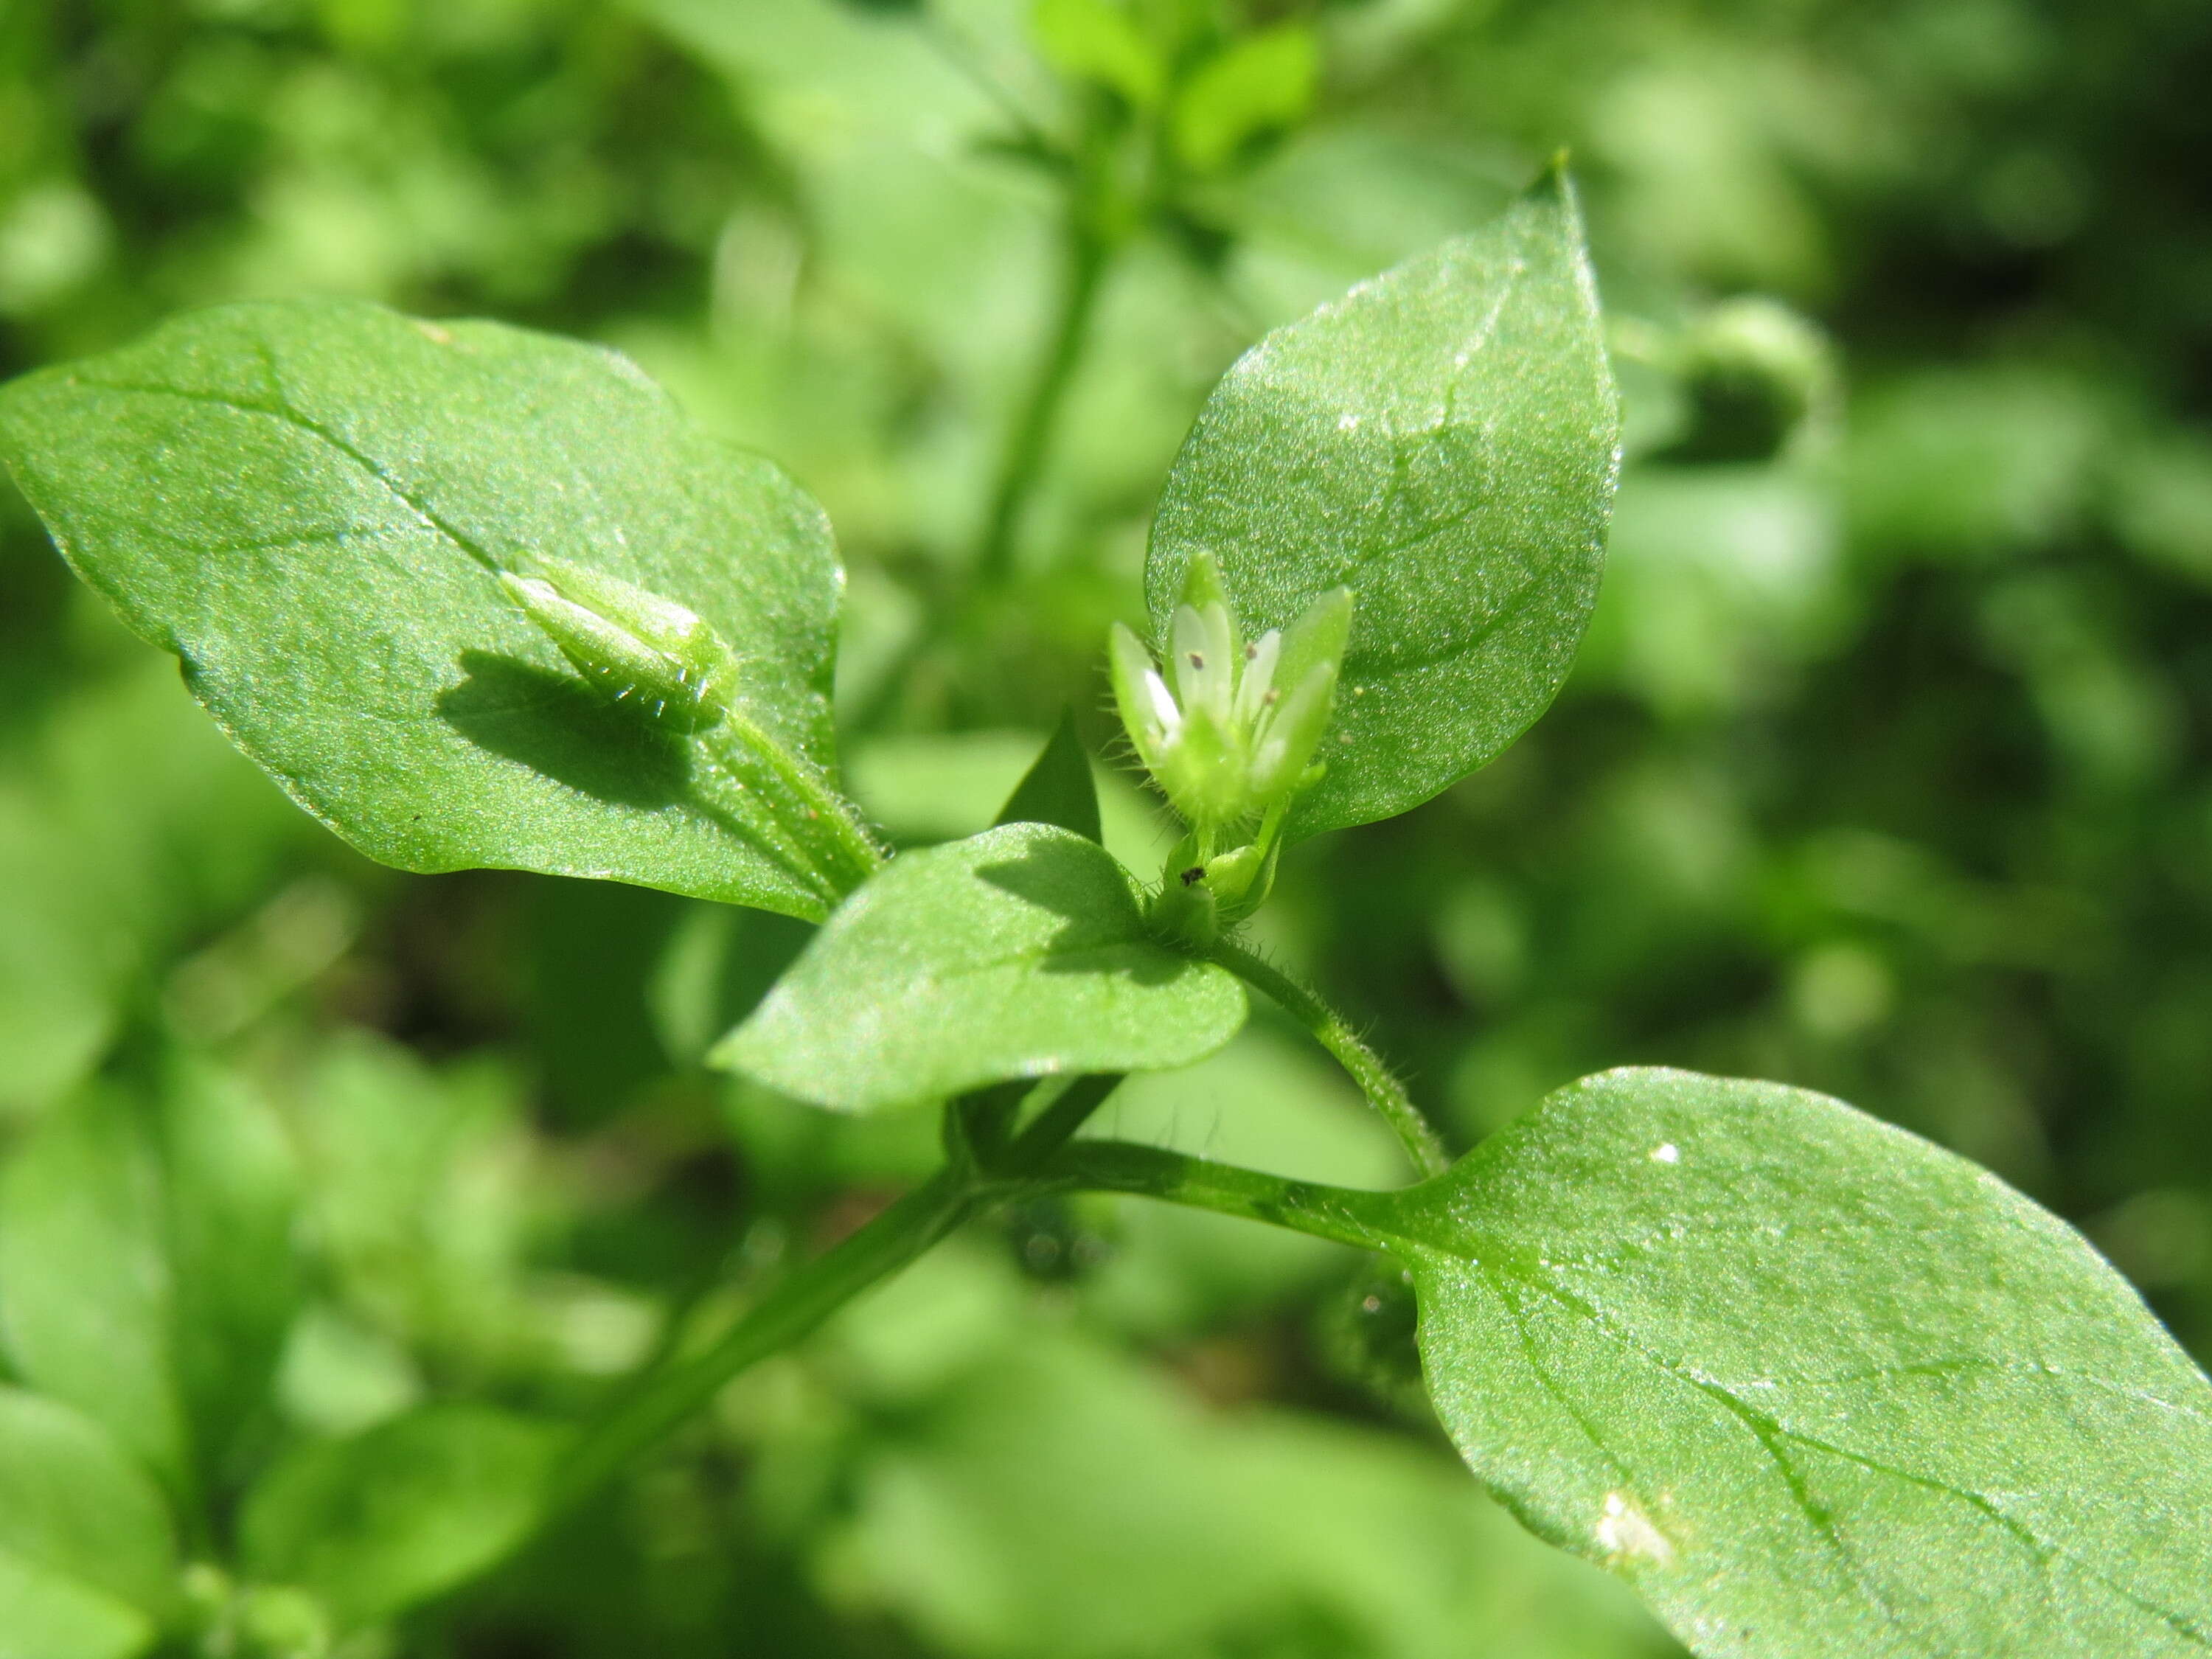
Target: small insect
{"points": [[633, 645]]}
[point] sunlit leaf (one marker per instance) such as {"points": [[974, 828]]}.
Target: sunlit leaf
{"points": [[1018, 953], [310, 503], [1442, 441], [1812, 1385]]}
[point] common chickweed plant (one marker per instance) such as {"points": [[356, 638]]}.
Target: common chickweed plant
{"points": [[477, 597]]}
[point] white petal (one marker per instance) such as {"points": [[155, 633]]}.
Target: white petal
{"points": [[1256, 677], [1220, 659], [1191, 650], [1163, 706]]}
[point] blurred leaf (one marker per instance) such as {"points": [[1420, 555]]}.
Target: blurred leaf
{"points": [[1098, 41], [1018, 953], [1058, 788], [419, 1197], [147, 1274], [1442, 441], [376, 1524], [85, 1286], [232, 1192], [86, 1563], [1253, 84], [592, 950], [126, 826], [2161, 503], [1812, 1385], [1056, 1498], [1973, 462], [310, 503]]}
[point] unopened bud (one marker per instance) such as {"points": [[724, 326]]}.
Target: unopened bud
{"points": [[632, 645]]}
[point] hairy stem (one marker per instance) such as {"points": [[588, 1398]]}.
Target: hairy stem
{"points": [[1384, 1092], [857, 856], [1340, 1214]]}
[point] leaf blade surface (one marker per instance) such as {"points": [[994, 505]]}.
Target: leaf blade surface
{"points": [[1018, 953], [309, 502], [1812, 1385], [1443, 441]]}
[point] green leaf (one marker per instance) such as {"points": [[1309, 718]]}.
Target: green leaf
{"points": [[374, 1524], [147, 1275], [421, 1198], [1442, 441], [1098, 40], [1058, 788], [85, 1286], [1812, 1385], [101, 890], [1019, 953], [232, 1196], [310, 503], [87, 1566], [1263, 81]]}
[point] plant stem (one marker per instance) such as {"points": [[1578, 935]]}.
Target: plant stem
{"points": [[1340, 1213], [1029, 440], [858, 855], [812, 1292], [792, 1310], [1384, 1092]]}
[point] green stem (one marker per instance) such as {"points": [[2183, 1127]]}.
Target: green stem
{"points": [[797, 1306], [792, 1310], [858, 857], [1384, 1092], [1030, 440], [1340, 1213]]}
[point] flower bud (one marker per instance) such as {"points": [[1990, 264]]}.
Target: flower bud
{"points": [[632, 645]]}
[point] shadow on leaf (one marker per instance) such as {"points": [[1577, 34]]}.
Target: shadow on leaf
{"points": [[1078, 881], [554, 724]]}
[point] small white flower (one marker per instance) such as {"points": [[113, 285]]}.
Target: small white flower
{"points": [[1237, 731]]}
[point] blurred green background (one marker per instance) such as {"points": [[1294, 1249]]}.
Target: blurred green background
{"points": [[1886, 769]]}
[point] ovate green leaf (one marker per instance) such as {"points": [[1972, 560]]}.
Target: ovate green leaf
{"points": [[374, 1524], [1812, 1385], [309, 502], [1442, 441], [1019, 953], [86, 1562]]}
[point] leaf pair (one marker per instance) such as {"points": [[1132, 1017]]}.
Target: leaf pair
{"points": [[315, 505]]}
